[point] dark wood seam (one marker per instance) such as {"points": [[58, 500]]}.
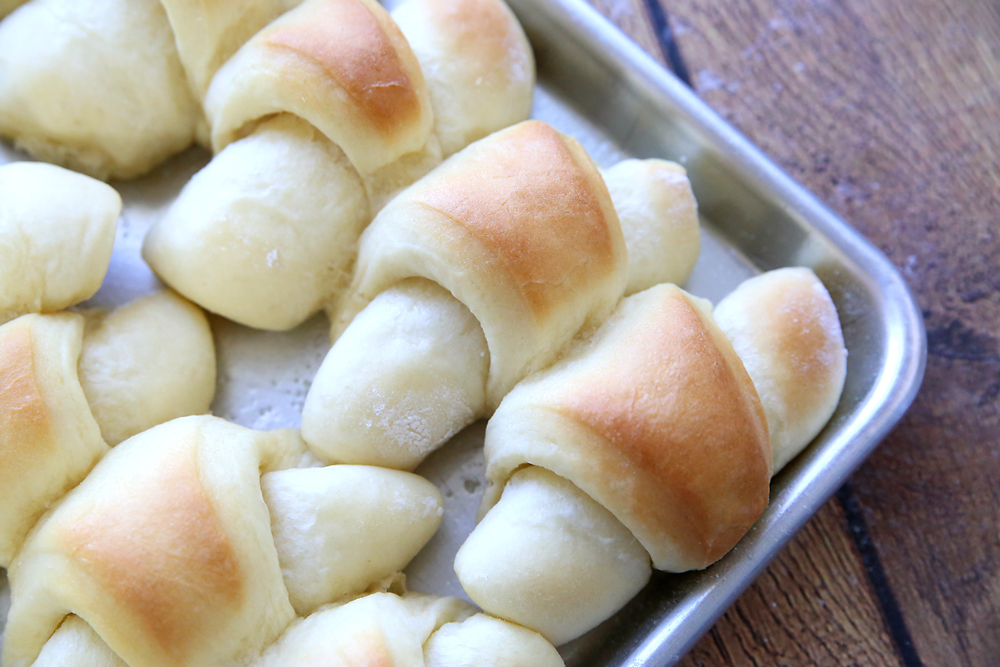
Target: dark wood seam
{"points": [[889, 606], [668, 44]]}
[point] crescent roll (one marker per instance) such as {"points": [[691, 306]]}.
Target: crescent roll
{"points": [[72, 384], [408, 630], [647, 446], [115, 86], [784, 326], [198, 541], [318, 121], [57, 229], [659, 217], [478, 275]]}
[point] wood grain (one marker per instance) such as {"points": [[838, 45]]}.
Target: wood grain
{"points": [[889, 110], [811, 608], [632, 17]]}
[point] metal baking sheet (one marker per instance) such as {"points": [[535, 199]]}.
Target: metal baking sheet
{"points": [[598, 86]]}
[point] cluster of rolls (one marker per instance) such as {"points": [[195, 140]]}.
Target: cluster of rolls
{"points": [[136, 530], [473, 265], [318, 121], [73, 384], [115, 87], [626, 433]]}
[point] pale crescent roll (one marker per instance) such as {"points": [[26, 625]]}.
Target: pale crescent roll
{"points": [[645, 446], [115, 86], [408, 630], [57, 229]]}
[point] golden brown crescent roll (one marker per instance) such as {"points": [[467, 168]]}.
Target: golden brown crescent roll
{"points": [[63, 385], [647, 445], [408, 630], [115, 87], [48, 437], [476, 276], [646, 442], [319, 120], [57, 229], [785, 328], [187, 543]]}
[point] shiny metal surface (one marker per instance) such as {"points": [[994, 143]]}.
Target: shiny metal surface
{"points": [[772, 222]]}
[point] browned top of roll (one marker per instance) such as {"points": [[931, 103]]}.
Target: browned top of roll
{"points": [[358, 45], [48, 436], [25, 422], [803, 329], [481, 31], [113, 546], [682, 422], [535, 201]]}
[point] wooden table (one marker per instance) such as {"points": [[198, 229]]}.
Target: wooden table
{"points": [[889, 110]]}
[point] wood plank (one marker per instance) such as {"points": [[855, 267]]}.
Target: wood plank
{"points": [[632, 17], [890, 112], [811, 608]]}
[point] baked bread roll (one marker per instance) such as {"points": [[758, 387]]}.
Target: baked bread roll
{"points": [[408, 630], [115, 87], [63, 385], [57, 229], [785, 328], [659, 217], [318, 120], [187, 543], [473, 278], [146, 363], [484, 641], [646, 446]]}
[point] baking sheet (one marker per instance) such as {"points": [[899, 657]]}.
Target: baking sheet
{"points": [[598, 87]]}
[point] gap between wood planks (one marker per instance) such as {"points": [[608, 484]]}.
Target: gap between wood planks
{"points": [[668, 44], [889, 606]]}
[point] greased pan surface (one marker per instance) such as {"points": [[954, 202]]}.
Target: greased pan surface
{"points": [[598, 86]]}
